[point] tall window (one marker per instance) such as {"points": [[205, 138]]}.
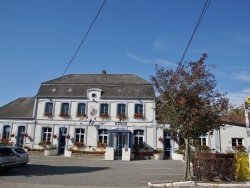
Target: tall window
{"points": [[237, 141], [203, 139], [121, 109], [138, 136], [47, 131], [103, 135], [104, 109], [81, 109], [138, 109], [79, 135], [6, 131], [65, 108], [48, 109]]}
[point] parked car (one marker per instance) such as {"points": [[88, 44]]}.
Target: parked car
{"points": [[21, 154], [8, 159]]}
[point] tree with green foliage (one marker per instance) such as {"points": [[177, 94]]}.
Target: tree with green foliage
{"points": [[189, 101]]}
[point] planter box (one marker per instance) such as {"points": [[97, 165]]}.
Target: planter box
{"points": [[176, 156], [67, 153], [50, 152], [158, 156]]}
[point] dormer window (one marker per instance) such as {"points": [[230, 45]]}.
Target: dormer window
{"points": [[94, 93]]}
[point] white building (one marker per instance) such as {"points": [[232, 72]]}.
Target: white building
{"points": [[226, 138], [118, 109]]}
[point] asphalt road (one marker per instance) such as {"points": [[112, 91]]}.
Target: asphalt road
{"points": [[60, 171]]}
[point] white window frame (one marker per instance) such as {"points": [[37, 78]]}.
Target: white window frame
{"points": [[101, 108], [81, 134], [52, 110], [125, 109], [103, 136], [204, 137], [237, 141], [6, 131], [77, 112], [138, 136], [143, 108], [48, 136]]}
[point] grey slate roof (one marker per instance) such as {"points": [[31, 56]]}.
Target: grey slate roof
{"points": [[112, 85], [20, 108]]}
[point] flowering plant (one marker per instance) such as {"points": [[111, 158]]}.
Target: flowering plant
{"points": [[25, 135], [104, 116], [240, 148], [101, 145], [54, 136], [121, 116], [67, 136], [47, 114], [138, 116], [160, 139], [79, 144], [81, 115], [65, 115], [47, 145]]}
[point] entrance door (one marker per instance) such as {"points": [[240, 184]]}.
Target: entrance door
{"points": [[167, 146], [118, 148], [62, 139], [118, 140], [20, 136]]}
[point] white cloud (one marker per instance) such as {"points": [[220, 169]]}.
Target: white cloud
{"points": [[238, 98], [150, 61], [242, 76], [160, 44]]}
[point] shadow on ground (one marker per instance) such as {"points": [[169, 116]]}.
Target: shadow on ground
{"points": [[47, 170]]}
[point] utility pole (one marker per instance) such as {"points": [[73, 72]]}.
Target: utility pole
{"points": [[247, 106]]}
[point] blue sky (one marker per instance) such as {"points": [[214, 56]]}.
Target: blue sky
{"points": [[38, 40]]}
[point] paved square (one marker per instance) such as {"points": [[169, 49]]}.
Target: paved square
{"points": [[60, 171]]}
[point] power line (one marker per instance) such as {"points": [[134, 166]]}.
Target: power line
{"points": [[84, 37], [196, 27]]}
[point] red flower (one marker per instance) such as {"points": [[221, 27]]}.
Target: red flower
{"points": [[138, 116], [25, 135], [67, 136], [160, 139]]}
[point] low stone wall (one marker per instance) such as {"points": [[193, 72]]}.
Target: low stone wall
{"points": [[36, 153], [91, 156], [137, 157], [87, 156]]}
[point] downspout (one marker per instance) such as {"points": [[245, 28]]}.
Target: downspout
{"points": [[220, 140], [35, 119], [154, 126]]}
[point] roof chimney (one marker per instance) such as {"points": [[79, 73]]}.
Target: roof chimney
{"points": [[103, 71]]}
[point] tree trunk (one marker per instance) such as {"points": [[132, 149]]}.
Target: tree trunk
{"points": [[187, 174]]}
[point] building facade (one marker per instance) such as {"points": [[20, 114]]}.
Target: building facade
{"points": [[113, 109]]}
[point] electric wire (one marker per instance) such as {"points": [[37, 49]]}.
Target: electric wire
{"points": [[196, 27], [84, 38]]}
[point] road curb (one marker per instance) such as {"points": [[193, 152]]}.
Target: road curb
{"points": [[193, 184]]}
